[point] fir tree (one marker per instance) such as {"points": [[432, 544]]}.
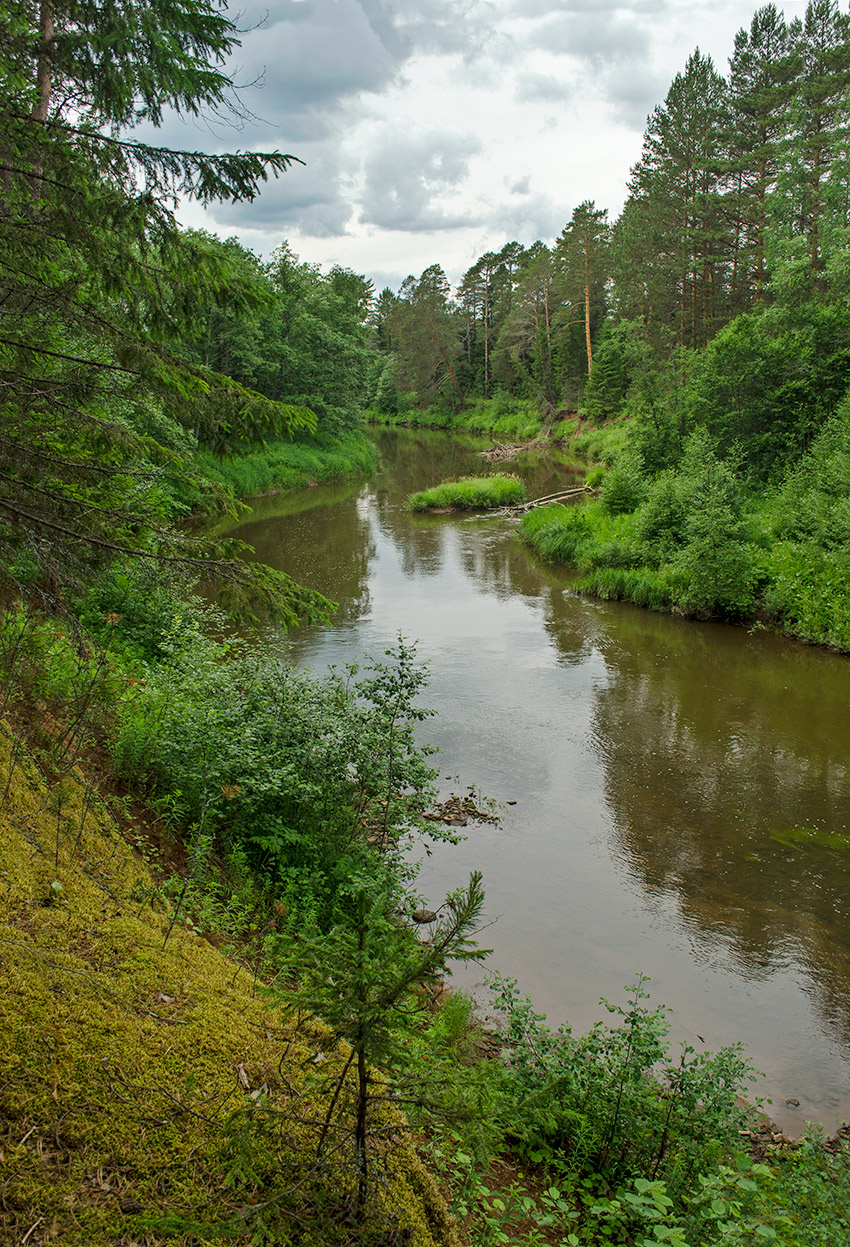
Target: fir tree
{"points": [[98, 282]]}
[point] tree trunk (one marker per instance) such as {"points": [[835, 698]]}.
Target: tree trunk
{"points": [[44, 77], [587, 303], [360, 1134]]}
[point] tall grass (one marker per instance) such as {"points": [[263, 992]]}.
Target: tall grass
{"points": [[518, 419], [282, 465], [470, 493], [602, 444]]}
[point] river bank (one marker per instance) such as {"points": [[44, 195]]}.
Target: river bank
{"points": [[276, 467], [564, 711], [702, 542], [659, 765]]}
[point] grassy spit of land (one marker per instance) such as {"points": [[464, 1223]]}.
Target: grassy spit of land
{"points": [[470, 493]]}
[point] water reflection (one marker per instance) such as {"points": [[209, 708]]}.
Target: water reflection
{"points": [[716, 746], [682, 789], [325, 528]]}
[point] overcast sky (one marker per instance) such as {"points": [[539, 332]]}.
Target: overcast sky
{"points": [[435, 130]]}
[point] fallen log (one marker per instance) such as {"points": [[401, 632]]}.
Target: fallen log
{"points": [[548, 500], [501, 451]]}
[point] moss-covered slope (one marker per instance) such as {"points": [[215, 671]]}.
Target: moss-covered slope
{"points": [[148, 1094]]}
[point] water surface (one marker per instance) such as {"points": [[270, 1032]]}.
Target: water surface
{"points": [[681, 789]]}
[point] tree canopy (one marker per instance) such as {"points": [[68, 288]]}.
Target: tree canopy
{"points": [[99, 284]]}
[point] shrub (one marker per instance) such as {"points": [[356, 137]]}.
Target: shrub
{"points": [[624, 486], [612, 1101]]}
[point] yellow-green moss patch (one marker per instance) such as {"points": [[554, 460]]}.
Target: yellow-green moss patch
{"points": [[147, 1090]]}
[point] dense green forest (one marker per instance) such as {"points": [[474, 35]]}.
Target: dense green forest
{"points": [[150, 371], [704, 334]]}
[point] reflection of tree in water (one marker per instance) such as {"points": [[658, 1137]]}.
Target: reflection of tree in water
{"points": [[418, 458], [420, 540], [414, 459], [715, 746], [328, 547]]}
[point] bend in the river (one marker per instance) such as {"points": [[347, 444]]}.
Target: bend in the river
{"points": [[681, 789]]}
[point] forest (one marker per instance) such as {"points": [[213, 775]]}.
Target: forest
{"points": [[696, 346], [225, 1015]]}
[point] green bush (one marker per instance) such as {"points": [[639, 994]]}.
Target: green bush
{"points": [[624, 486], [807, 592], [613, 1102], [290, 768]]}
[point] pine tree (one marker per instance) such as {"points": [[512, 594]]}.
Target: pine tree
{"points": [[423, 329], [525, 354], [673, 213], [761, 80], [582, 252], [820, 120]]}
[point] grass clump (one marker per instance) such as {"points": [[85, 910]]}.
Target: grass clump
{"points": [[470, 493]]}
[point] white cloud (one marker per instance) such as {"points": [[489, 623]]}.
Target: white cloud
{"points": [[436, 129]]}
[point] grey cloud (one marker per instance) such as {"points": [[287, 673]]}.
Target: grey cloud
{"points": [[309, 200], [599, 39], [300, 68], [522, 186], [406, 177], [633, 91], [527, 219], [547, 8], [546, 87], [441, 26], [313, 56]]}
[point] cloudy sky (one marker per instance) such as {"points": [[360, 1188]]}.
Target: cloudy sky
{"points": [[434, 130]]}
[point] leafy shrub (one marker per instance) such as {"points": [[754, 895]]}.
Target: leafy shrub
{"points": [[814, 503], [292, 768], [612, 1101], [807, 593]]}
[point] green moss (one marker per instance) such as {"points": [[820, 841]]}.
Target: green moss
{"points": [[123, 1064]]}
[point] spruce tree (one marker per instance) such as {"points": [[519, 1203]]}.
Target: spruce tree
{"points": [[98, 282]]}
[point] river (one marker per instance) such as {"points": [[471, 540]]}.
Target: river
{"points": [[681, 788]]}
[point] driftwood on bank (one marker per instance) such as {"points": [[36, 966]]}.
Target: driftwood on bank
{"points": [[524, 507], [501, 451], [459, 811]]}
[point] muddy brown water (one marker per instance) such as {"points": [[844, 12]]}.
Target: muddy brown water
{"points": [[682, 790]]}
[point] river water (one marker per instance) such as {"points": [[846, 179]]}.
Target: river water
{"points": [[682, 790]]}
